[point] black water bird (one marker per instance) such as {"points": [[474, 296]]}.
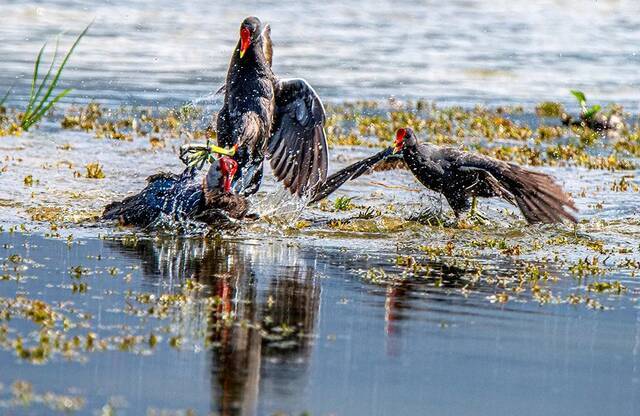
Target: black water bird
{"points": [[280, 119], [196, 194], [461, 176]]}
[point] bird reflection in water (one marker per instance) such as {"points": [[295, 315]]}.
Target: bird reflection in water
{"points": [[262, 329]]}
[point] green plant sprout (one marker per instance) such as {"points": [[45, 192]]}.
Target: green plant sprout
{"points": [[40, 98], [343, 203], [587, 113]]}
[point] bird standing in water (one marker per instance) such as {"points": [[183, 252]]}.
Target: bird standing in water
{"points": [[462, 176], [196, 194], [280, 119]]}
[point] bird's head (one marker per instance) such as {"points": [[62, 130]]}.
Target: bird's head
{"points": [[250, 32], [404, 138], [221, 173]]}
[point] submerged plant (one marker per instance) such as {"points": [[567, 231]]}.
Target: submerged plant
{"points": [[40, 98]]}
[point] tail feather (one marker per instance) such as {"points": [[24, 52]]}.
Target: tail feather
{"points": [[538, 196], [133, 210]]}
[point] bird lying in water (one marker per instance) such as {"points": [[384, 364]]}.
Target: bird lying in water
{"points": [[461, 176], [196, 194], [280, 119]]}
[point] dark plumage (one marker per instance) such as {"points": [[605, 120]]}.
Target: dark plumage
{"points": [[282, 120], [460, 175], [195, 194], [353, 171]]}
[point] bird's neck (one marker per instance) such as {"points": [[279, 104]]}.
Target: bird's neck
{"points": [[253, 60]]}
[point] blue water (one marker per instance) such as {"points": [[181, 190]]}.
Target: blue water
{"points": [[464, 52], [359, 347], [299, 326]]}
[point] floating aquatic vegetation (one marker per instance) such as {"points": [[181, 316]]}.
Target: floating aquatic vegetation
{"points": [[549, 109], [382, 224], [624, 184], [94, 171], [587, 267], [613, 287], [23, 395], [49, 214], [86, 118], [30, 181]]}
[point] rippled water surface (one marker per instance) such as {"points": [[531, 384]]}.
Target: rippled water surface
{"points": [[458, 51], [363, 311], [300, 329]]}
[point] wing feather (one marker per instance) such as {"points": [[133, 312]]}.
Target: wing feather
{"points": [[297, 149], [537, 194]]}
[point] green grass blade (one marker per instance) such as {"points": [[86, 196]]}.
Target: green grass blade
{"points": [[54, 82], [35, 96], [579, 96], [5, 96], [32, 96], [37, 116]]}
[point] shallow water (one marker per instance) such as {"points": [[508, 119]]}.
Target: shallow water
{"points": [[320, 319], [299, 328], [325, 318], [495, 52], [316, 310]]}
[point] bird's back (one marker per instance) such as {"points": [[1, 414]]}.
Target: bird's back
{"points": [[173, 196]]}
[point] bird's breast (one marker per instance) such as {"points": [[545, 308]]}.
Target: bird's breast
{"points": [[429, 177]]}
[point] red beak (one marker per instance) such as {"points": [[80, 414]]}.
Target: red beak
{"points": [[245, 41], [399, 143]]}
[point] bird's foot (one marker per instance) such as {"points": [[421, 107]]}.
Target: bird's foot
{"points": [[471, 219]]}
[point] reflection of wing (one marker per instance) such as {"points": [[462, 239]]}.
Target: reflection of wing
{"points": [[353, 171], [298, 147]]}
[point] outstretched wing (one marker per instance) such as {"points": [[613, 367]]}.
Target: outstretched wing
{"points": [[537, 194], [351, 172], [267, 45], [297, 148]]}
